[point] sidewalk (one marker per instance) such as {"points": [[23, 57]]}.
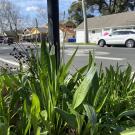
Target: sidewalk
{"points": [[77, 45]]}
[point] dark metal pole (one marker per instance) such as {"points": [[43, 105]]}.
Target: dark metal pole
{"points": [[53, 27]]}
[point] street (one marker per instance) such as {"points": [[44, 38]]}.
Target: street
{"points": [[106, 56]]}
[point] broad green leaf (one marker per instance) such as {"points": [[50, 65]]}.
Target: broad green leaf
{"points": [[69, 118], [93, 89], [91, 113], [130, 131], [35, 107], [67, 66], [90, 60], [80, 121], [75, 77], [38, 131], [45, 58], [83, 89], [100, 99]]}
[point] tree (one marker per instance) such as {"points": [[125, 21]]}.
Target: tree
{"points": [[9, 16], [76, 13], [42, 14], [112, 6], [69, 23]]}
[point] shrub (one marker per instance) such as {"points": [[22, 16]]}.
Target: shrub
{"points": [[43, 100]]}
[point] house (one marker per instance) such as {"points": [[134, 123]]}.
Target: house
{"points": [[36, 33], [66, 33], [27, 34], [103, 25], [33, 34], [14, 35]]}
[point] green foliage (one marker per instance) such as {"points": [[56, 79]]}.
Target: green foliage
{"points": [[105, 7], [76, 14], [41, 100], [130, 131]]}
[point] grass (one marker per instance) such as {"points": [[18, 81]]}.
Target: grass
{"points": [[80, 43], [69, 43]]}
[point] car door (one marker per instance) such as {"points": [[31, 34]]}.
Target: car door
{"points": [[114, 38]]}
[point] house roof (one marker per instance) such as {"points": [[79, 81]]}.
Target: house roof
{"points": [[114, 20], [39, 30], [68, 30], [42, 30], [10, 33], [28, 29], [13, 33]]}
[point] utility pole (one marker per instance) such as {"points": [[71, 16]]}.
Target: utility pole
{"points": [[36, 21], [53, 28], [85, 22]]}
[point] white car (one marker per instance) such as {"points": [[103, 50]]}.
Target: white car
{"points": [[119, 37]]}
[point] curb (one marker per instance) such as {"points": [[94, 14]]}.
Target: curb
{"points": [[79, 46]]}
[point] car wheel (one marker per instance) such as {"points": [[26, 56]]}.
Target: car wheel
{"points": [[130, 43], [108, 45], [101, 43]]}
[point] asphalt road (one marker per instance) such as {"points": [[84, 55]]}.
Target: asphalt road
{"points": [[106, 56]]}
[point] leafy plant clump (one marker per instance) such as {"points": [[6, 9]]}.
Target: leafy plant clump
{"points": [[43, 100]]}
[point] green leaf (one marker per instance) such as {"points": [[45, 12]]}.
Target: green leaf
{"points": [[129, 113], [93, 89], [35, 107], [45, 58], [66, 67], [130, 131], [91, 113], [83, 89], [70, 61], [38, 131], [44, 114], [69, 118], [100, 99]]}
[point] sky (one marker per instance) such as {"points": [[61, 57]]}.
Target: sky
{"points": [[30, 7]]}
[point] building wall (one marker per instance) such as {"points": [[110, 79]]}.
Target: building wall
{"points": [[64, 36], [80, 36], [96, 33], [61, 36], [92, 35]]}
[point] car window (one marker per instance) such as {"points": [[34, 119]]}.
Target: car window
{"points": [[116, 33], [1, 37], [131, 32], [123, 32]]}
